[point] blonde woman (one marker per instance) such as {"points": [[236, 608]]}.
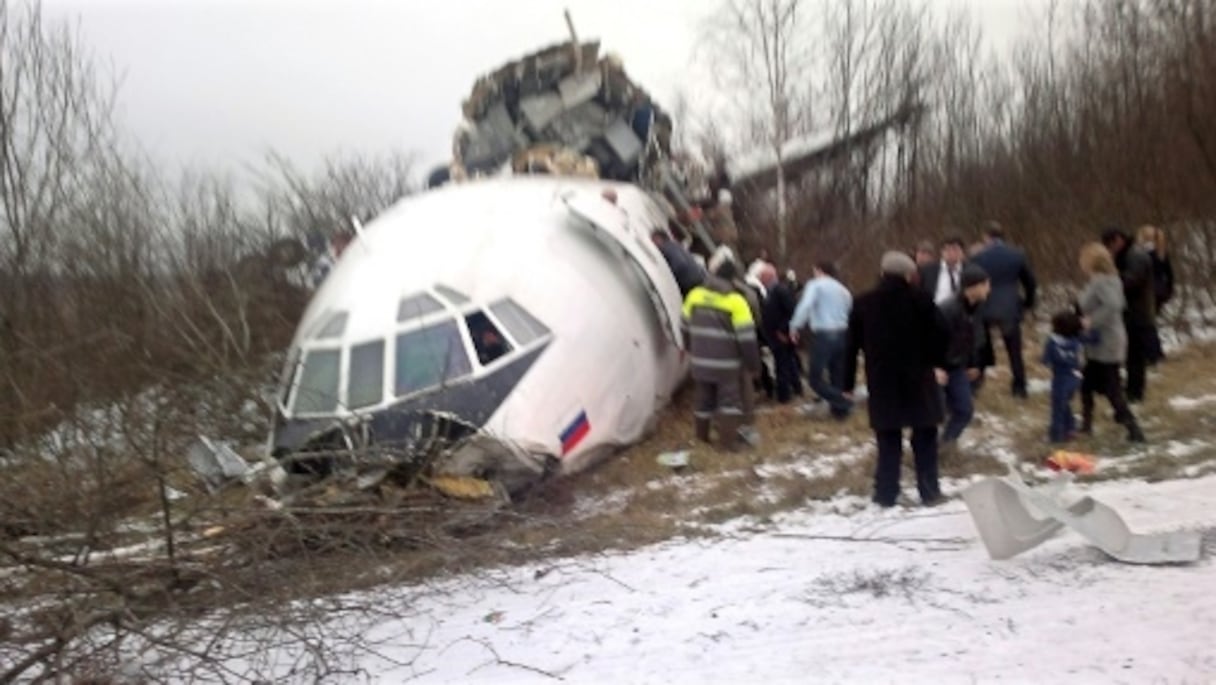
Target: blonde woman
{"points": [[1101, 304]]}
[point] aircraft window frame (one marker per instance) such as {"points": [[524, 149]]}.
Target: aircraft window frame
{"points": [[452, 295], [334, 326], [299, 390], [453, 369], [429, 304], [517, 320], [354, 357], [509, 347], [288, 376]]}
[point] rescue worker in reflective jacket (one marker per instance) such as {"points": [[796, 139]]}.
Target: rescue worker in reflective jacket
{"points": [[720, 334]]}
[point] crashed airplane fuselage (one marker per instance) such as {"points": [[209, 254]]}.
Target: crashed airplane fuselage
{"points": [[536, 309]]}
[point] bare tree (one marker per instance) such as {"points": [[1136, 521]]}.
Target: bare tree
{"points": [[347, 186], [55, 138], [760, 55]]}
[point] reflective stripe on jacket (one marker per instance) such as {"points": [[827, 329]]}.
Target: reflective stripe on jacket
{"points": [[720, 332]]}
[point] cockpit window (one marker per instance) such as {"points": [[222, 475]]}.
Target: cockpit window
{"points": [[452, 295], [318, 389], [487, 339], [365, 379], [519, 323], [334, 327], [430, 356], [417, 305]]}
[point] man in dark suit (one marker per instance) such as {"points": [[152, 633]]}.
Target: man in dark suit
{"points": [[775, 313], [940, 278], [1140, 315], [1013, 292], [904, 340]]}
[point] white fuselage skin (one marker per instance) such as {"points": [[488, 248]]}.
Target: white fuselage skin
{"points": [[612, 348]]}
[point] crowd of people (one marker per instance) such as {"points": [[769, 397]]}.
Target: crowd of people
{"points": [[926, 332]]}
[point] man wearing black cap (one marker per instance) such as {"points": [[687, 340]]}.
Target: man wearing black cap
{"points": [[1139, 318], [901, 332], [966, 331]]}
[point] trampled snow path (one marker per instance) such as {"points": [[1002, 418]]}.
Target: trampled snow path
{"points": [[909, 596]]}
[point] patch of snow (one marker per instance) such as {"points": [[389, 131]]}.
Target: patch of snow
{"points": [[721, 612], [812, 466], [1191, 403], [992, 423], [1180, 449], [874, 595], [612, 503], [841, 505], [1038, 386]]}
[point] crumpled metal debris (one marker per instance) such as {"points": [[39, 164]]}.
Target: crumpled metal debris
{"points": [[564, 110], [215, 463], [563, 97], [344, 466], [676, 460]]}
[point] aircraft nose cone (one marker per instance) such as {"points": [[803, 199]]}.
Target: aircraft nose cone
{"points": [[472, 401]]}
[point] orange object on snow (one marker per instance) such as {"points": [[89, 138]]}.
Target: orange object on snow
{"points": [[1061, 460]]}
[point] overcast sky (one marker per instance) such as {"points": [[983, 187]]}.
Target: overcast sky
{"points": [[216, 83]]}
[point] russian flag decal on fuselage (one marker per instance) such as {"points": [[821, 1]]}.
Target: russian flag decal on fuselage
{"points": [[575, 432]]}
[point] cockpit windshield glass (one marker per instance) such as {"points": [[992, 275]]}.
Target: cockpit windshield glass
{"points": [[365, 379], [430, 356], [334, 327], [519, 323], [414, 306], [452, 295], [317, 392], [487, 339]]}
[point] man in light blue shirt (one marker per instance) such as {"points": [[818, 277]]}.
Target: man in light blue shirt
{"points": [[825, 305]]}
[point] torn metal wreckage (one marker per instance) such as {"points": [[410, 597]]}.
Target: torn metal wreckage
{"points": [[514, 322], [522, 294], [568, 99]]}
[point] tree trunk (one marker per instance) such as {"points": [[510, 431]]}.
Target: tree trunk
{"points": [[781, 208]]}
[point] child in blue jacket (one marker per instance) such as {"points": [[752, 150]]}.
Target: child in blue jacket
{"points": [[1063, 354]]}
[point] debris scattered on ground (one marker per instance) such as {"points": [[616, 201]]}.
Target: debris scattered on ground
{"points": [[1075, 462], [677, 460], [216, 463], [1013, 517], [750, 435]]}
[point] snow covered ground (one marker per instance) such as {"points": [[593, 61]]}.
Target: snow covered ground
{"points": [[907, 595]]}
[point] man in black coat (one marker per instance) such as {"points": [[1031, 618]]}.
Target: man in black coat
{"points": [[776, 311], [1008, 270], [1140, 317], [898, 327]]}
